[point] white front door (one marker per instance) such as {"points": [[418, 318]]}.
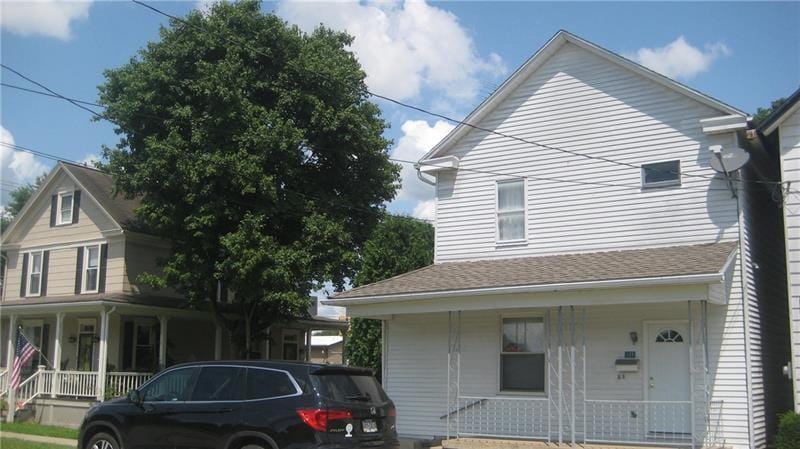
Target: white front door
{"points": [[668, 378]]}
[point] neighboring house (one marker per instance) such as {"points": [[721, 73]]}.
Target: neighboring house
{"points": [[594, 278], [74, 253], [780, 133], [327, 349]]}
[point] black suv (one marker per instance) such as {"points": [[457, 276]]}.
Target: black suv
{"points": [[247, 405]]}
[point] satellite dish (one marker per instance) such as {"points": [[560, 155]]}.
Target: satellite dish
{"points": [[726, 160]]}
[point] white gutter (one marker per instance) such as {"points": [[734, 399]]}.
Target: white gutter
{"points": [[569, 286]]}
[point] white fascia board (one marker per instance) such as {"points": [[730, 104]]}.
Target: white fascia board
{"points": [[438, 164], [697, 279], [788, 113], [32, 200], [724, 124]]}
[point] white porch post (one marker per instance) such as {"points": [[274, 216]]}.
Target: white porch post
{"points": [[218, 343], [162, 343], [103, 357], [57, 354], [12, 333]]}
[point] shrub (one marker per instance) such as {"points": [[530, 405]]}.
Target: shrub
{"points": [[788, 431]]}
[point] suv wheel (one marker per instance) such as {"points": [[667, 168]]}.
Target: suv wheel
{"points": [[102, 440]]}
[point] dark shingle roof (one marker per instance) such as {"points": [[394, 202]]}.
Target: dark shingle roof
{"points": [[101, 186], [558, 269]]}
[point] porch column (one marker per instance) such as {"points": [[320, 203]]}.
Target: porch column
{"points": [[162, 342], [57, 354], [103, 356], [218, 343], [12, 400]]}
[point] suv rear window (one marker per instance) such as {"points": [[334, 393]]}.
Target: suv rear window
{"points": [[350, 387], [267, 383]]}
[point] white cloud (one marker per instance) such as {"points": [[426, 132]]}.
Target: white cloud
{"points": [[16, 167], [425, 210], [90, 159], [403, 46], [51, 18], [680, 59], [418, 138]]}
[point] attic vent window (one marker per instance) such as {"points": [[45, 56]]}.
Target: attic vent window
{"points": [[65, 208], [661, 174]]}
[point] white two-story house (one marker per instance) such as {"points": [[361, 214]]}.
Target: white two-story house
{"points": [[74, 255], [595, 279]]}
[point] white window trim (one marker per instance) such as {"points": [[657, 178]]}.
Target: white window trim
{"points": [[652, 185], [84, 277], [501, 353], [30, 272], [81, 323], [524, 210], [71, 208], [149, 322]]}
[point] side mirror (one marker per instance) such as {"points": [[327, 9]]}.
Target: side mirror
{"points": [[135, 397]]}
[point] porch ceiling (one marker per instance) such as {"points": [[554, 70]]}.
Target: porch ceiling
{"points": [[676, 273]]}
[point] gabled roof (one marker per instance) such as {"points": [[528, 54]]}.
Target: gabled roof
{"points": [[540, 57], [777, 117], [98, 186], [585, 270]]}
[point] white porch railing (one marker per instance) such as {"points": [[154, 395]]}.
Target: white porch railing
{"points": [[118, 384], [3, 382], [638, 422], [75, 384], [503, 417]]}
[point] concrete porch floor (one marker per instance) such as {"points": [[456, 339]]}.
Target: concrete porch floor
{"points": [[490, 443]]}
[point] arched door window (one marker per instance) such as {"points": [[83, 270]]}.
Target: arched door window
{"points": [[669, 336]]}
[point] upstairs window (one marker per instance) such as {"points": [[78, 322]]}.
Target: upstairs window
{"points": [[511, 211], [661, 174], [35, 274], [91, 270], [65, 200]]}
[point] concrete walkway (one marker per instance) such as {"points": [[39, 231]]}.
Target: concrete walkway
{"points": [[40, 439]]}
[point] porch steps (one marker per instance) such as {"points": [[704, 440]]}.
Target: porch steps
{"points": [[492, 443]]}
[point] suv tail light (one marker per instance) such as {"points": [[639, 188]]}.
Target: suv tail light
{"points": [[318, 418], [392, 411]]}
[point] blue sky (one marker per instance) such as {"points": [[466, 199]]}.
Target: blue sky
{"points": [[444, 56]]}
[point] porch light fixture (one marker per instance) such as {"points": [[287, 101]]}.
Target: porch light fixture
{"points": [[634, 337], [95, 338], [72, 339]]}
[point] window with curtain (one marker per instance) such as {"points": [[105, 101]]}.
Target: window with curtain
{"points": [[522, 355], [511, 210]]}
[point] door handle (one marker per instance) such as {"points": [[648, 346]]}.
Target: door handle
{"points": [[225, 410]]}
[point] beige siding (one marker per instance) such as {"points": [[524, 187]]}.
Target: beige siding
{"points": [[35, 228], [143, 258], [790, 162], [581, 103]]}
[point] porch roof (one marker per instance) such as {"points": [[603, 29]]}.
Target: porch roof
{"points": [[99, 299], [704, 263]]}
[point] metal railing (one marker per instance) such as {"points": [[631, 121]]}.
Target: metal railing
{"points": [[503, 417], [638, 422]]}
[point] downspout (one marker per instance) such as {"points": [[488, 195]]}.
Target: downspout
{"points": [[423, 178], [743, 278]]}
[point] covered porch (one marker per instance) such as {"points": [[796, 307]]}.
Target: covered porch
{"points": [[635, 347]]}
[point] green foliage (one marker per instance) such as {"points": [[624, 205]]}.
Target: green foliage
{"points": [[13, 443], [17, 199], [762, 113], [398, 245], [33, 428], [788, 431], [262, 163]]}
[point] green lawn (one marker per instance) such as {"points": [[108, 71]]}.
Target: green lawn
{"points": [[10, 443], [39, 429]]}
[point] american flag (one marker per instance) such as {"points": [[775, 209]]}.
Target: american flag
{"points": [[22, 355]]}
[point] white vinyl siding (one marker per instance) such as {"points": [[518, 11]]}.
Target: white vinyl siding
{"points": [[584, 104], [790, 164], [35, 260], [64, 212]]}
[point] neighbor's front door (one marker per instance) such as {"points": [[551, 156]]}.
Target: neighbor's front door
{"points": [[668, 379]]}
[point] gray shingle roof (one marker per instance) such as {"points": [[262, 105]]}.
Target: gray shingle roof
{"points": [[558, 269], [101, 186]]}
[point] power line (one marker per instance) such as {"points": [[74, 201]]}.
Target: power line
{"points": [[50, 90], [50, 156], [39, 92]]}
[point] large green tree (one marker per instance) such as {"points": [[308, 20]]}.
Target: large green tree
{"points": [[398, 245], [257, 155], [17, 199], [762, 113]]}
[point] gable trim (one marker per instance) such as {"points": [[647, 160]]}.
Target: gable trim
{"points": [[36, 195], [780, 115], [539, 58]]}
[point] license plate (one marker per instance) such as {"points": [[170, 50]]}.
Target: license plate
{"points": [[369, 426]]}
